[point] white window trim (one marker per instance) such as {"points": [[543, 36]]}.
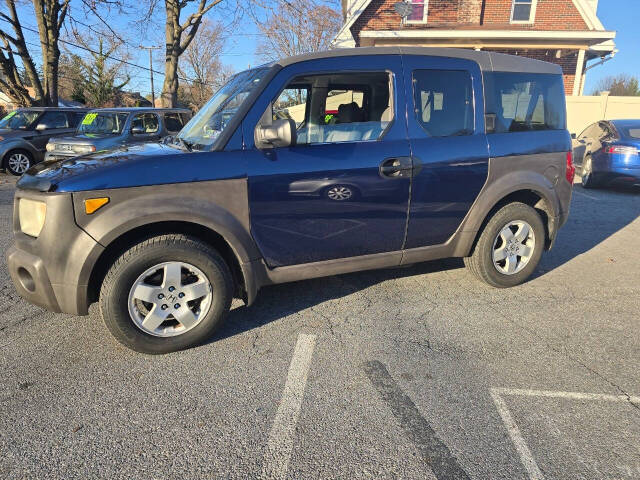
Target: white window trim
{"points": [[425, 15], [532, 13]]}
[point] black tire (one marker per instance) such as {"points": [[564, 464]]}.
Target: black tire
{"points": [[125, 270], [7, 164], [588, 178], [480, 263]]}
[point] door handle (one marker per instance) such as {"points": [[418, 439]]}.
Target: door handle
{"points": [[396, 167]]}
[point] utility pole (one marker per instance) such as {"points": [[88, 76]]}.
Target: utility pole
{"points": [[153, 93]]}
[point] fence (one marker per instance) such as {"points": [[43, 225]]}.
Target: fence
{"points": [[583, 111]]}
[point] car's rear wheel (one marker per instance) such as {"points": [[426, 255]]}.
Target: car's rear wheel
{"points": [[18, 161], [166, 293], [587, 178], [510, 246], [340, 193]]}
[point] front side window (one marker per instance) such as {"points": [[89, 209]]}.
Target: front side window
{"points": [[334, 108], [523, 11], [443, 102], [525, 101], [147, 122], [206, 126], [19, 119], [418, 11], [102, 123], [54, 120]]}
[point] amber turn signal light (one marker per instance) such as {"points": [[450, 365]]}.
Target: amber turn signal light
{"points": [[93, 204]]}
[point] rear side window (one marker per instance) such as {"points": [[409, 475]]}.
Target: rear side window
{"points": [[173, 122], [147, 121], [443, 102], [524, 102]]}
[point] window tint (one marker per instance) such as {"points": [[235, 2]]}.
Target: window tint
{"points": [[76, 118], [337, 108], [443, 102], [173, 122], [148, 122], [54, 120], [525, 101]]}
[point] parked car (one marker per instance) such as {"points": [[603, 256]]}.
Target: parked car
{"points": [[164, 235], [24, 134], [106, 129], [607, 153]]}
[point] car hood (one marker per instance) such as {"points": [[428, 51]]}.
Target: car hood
{"points": [[136, 165], [90, 139]]}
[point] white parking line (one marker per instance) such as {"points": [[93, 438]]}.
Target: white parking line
{"points": [[584, 194], [276, 459], [526, 457]]}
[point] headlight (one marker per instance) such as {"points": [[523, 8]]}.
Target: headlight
{"points": [[50, 147], [83, 148], [31, 214]]}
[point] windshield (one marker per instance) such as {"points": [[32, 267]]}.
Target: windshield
{"points": [[19, 119], [103, 123], [205, 127]]}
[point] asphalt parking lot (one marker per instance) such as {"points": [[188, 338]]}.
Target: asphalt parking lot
{"points": [[419, 372]]}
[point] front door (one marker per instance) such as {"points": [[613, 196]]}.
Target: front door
{"points": [[445, 112], [52, 124], [343, 189]]}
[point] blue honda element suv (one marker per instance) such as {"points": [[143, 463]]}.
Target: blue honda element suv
{"points": [[315, 165]]}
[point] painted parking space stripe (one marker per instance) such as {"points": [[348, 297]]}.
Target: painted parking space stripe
{"points": [[434, 452], [280, 445], [528, 461]]}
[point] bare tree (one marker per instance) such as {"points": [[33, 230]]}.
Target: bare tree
{"points": [[178, 37], [49, 15], [201, 64], [622, 85], [299, 26]]}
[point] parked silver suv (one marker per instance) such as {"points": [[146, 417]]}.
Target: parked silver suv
{"points": [[106, 129]]}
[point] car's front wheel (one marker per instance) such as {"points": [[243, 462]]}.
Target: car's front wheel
{"points": [[18, 161], [166, 293], [509, 247]]}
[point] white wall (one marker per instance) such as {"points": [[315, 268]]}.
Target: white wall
{"points": [[585, 110]]}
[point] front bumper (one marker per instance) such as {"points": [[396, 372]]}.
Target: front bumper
{"points": [[54, 269]]}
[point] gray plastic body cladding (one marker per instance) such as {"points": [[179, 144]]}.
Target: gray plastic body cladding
{"points": [[220, 205], [60, 259], [540, 173]]}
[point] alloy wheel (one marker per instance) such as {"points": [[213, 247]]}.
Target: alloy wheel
{"points": [[18, 163], [339, 193], [513, 247], [169, 299]]}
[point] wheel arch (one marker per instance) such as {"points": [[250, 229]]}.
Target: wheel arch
{"points": [[241, 275], [535, 198]]}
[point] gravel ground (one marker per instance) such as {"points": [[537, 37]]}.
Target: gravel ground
{"points": [[418, 372]]}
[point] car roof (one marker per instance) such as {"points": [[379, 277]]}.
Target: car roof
{"points": [[488, 61], [139, 109], [64, 109]]}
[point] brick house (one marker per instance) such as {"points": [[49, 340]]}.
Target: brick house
{"points": [[565, 32]]}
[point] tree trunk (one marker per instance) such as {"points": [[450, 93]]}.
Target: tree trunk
{"points": [[170, 85]]}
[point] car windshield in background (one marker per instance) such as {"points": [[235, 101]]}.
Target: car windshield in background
{"points": [[103, 123], [205, 127], [629, 131], [19, 119]]}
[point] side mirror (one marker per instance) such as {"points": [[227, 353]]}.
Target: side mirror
{"points": [[42, 126], [281, 133], [137, 130], [573, 136]]}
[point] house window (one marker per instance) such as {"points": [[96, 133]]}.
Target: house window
{"points": [[418, 11], [523, 11]]}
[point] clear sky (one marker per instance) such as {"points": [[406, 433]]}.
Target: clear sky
{"points": [[623, 16]]}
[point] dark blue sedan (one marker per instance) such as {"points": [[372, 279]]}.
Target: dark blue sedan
{"points": [[608, 153]]}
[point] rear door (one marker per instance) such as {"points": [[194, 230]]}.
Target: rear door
{"points": [[445, 112], [341, 191]]}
